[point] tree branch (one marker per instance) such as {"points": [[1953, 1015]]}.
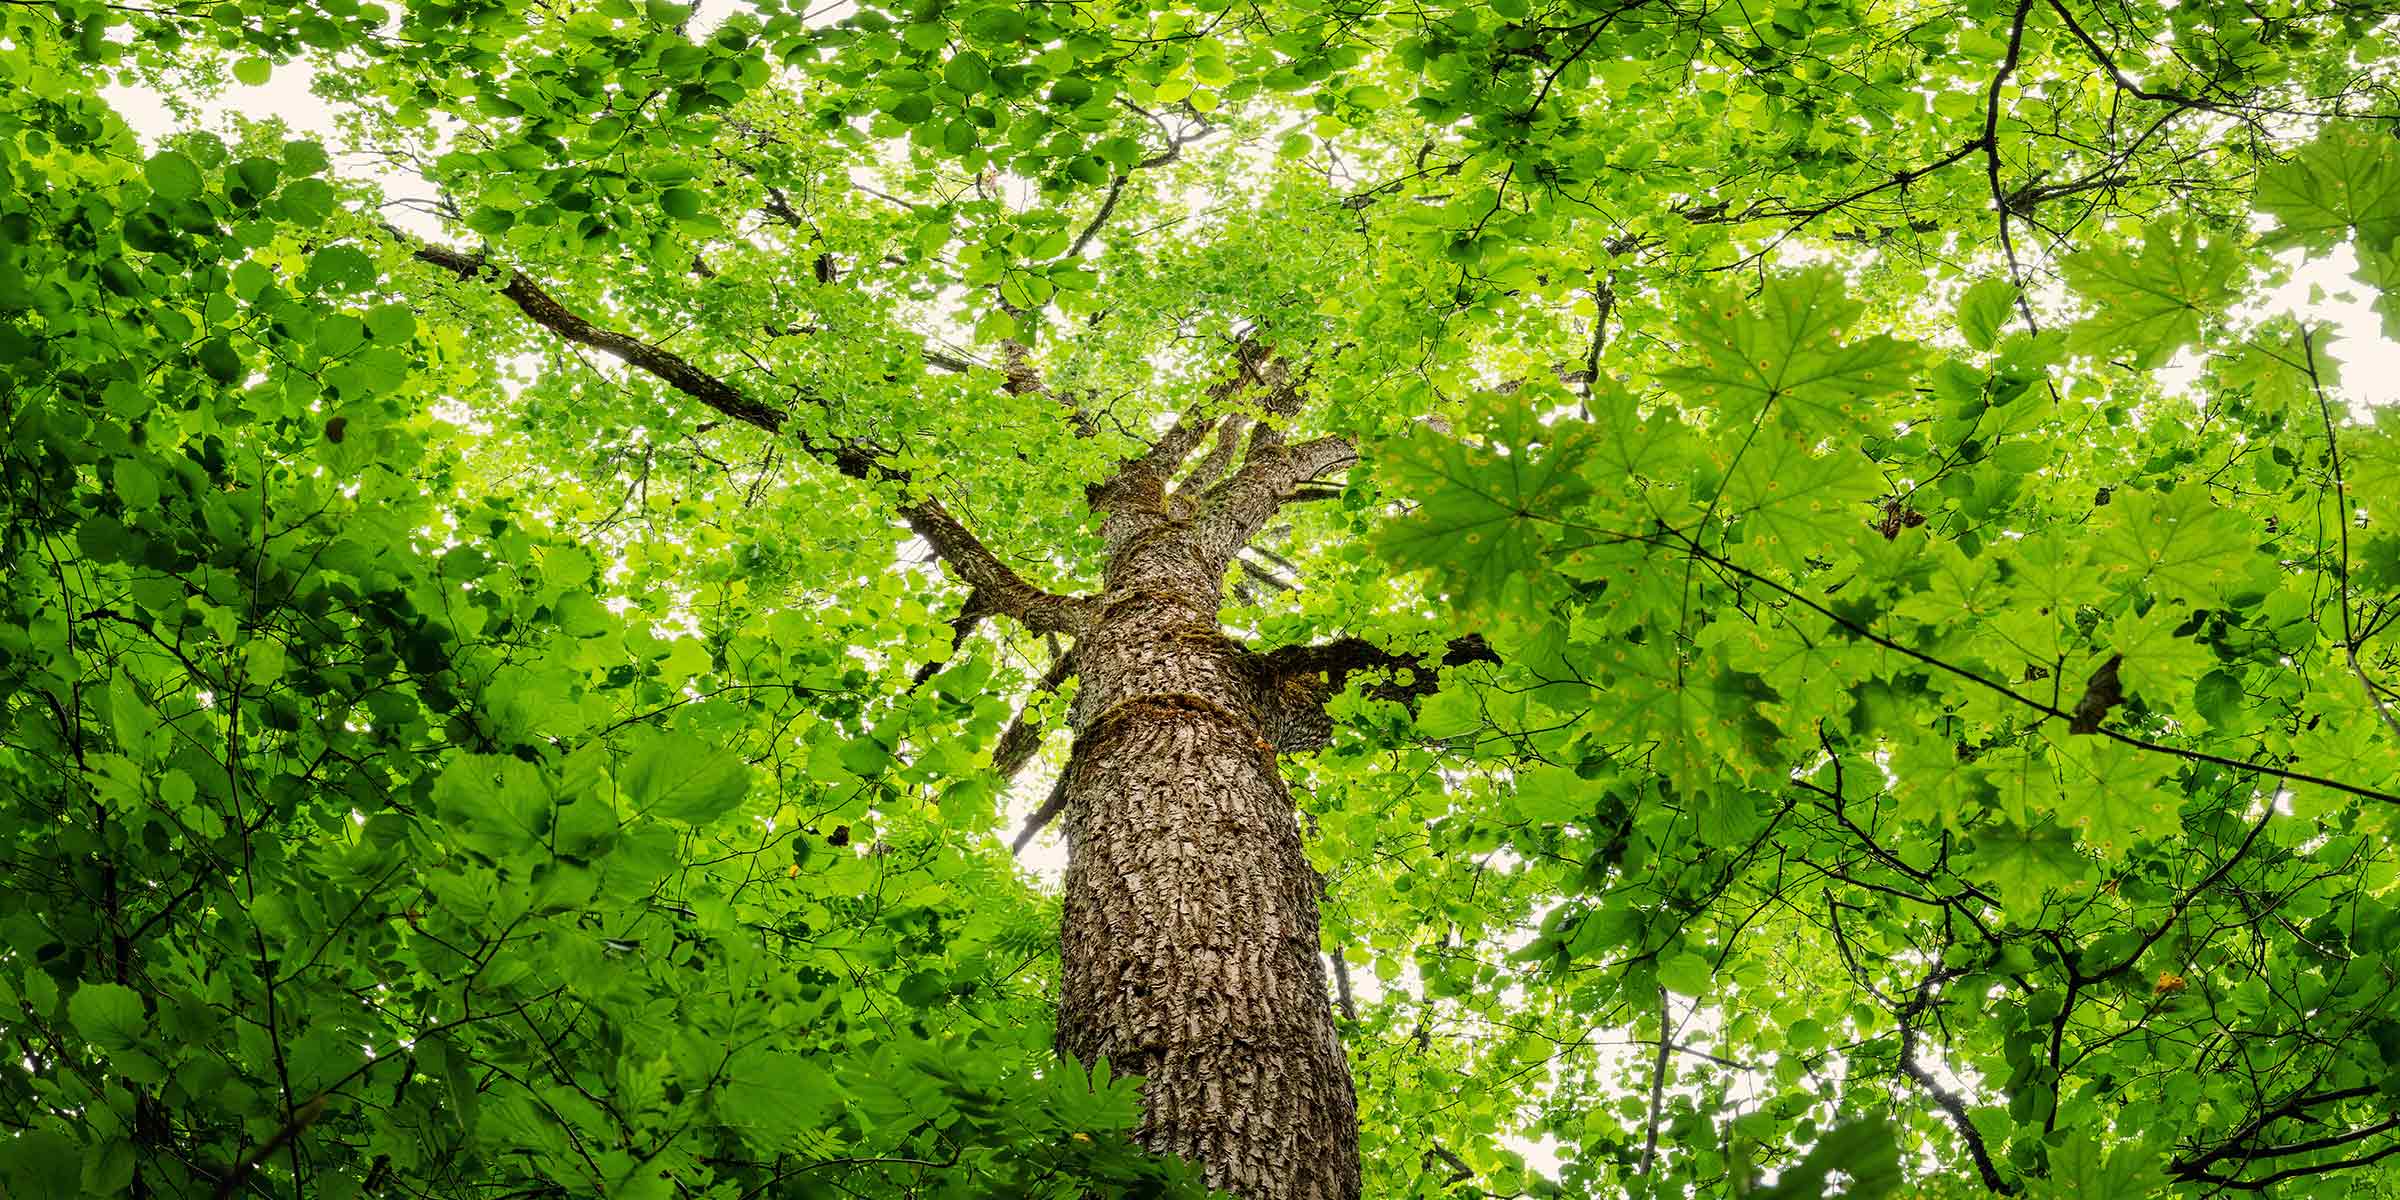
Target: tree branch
{"points": [[971, 613], [2341, 500], [1302, 678], [1024, 734], [1001, 586], [1052, 805]]}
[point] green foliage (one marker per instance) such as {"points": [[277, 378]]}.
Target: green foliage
{"points": [[1928, 754]]}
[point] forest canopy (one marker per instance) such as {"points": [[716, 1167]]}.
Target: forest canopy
{"points": [[1662, 598]]}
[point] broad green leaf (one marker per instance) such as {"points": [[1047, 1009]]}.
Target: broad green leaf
{"points": [[172, 174], [2024, 863], [2114, 795], [2148, 301], [967, 72], [1686, 973], [1985, 309], [1488, 512], [682, 778], [2179, 544], [1796, 352], [1797, 504], [109, 1015], [2159, 666], [1936, 786], [1864, 1154], [2344, 184]]}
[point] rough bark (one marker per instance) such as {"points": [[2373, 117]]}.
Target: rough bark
{"points": [[1189, 947]]}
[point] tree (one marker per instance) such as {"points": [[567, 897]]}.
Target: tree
{"points": [[1764, 570]]}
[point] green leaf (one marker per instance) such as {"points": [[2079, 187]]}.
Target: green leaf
{"points": [[681, 778], [2080, 1169], [773, 1097], [308, 201], [1936, 786], [252, 71], [2159, 667], [221, 361], [1797, 504], [41, 1162], [2113, 794], [172, 175], [2025, 863], [1686, 973], [137, 484], [682, 202], [1985, 309], [302, 157], [2345, 184], [109, 1016], [1794, 351], [391, 323], [2148, 302], [1487, 512], [968, 72], [1865, 1154], [2179, 544]]}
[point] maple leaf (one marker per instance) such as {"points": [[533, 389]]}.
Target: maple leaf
{"points": [[2147, 303], [1488, 514], [1812, 664], [1786, 350], [1797, 504], [2025, 862], [1637, 450], [2177, 542], [2346, 183], [2111, 793], [2159, 666], [1935, 786], [1700, 722]]}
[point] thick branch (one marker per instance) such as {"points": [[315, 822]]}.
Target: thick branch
{"points": [[971, 613], [1052, 805], [1275, 473], [1144, 476], [1024, 734], [999, 584], [669, 368], [1212, 466], [1302, 678], [2237, 1146]]}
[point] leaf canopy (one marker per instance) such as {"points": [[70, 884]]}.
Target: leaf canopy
{"points": [[477, 715]]}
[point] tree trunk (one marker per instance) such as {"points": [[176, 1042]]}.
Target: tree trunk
{"points": [[1190, 950]]}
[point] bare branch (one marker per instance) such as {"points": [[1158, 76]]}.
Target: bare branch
{"points": [[1212, 466], [1054, 804], [2351, 638], [1273, 474], [971, 613]]}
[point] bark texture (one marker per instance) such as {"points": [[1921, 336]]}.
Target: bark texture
{"points": [[1190, 951]]}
